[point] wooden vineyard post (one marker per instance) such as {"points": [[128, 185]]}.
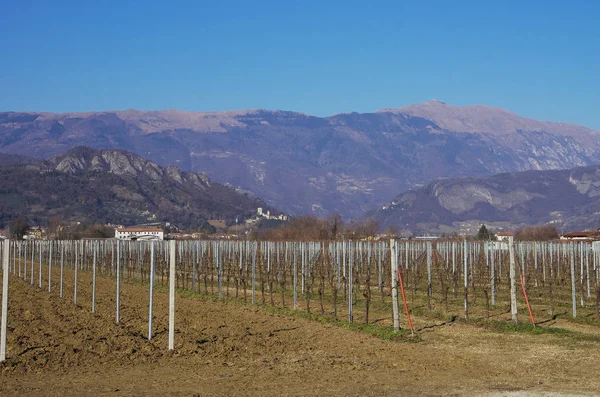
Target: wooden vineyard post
{"points": [[171, 294], [394, 269], [527, 301], [513, 280], [401, 282], [3, 325]]}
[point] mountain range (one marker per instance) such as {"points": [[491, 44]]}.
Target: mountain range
{"points": [[349, 163], [114, 186], [568, 199]]}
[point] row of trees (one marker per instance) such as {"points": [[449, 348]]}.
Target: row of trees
{"points": [[57, 229], [310, 227], [527, 233]]}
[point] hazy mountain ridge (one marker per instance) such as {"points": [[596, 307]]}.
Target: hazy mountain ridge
{"points": [[348, 162], [569, 199], [116, 186]]}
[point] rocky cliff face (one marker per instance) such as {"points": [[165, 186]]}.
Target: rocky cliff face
{"points": [[300, 163], [91, 185], [569, 199]]}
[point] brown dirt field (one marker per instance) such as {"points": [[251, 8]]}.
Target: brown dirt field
{"points": [[230, 348]]}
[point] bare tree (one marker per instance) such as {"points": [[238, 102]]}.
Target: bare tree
{"points": [[18, 228]]}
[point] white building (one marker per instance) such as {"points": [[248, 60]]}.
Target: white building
{"points": [[500, 241], [139, 233], [260, 213]]}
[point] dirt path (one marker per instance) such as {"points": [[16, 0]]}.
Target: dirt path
{"points": [[57, 348]]}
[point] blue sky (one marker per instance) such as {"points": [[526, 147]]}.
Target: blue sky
{"points": [[540, 59]]}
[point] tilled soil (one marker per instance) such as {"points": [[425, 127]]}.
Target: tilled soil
{"points": [[228, 348]]}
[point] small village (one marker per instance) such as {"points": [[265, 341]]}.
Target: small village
{"points": [[159, 231]]}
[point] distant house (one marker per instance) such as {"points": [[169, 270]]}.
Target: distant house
{"points": [[35, 233], [139, 233], [500, 241], [581, 236], [179, 236], [425, 238], [503, 236]]}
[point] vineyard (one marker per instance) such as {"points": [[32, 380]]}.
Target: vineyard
{"points": [[343, 280], [354, 283]]}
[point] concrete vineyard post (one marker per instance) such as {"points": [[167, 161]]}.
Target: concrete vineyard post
{"points": [[50, 268], [429, 286], [25, 261], [19, 266], [582, 296], [350, 281], [32, 262], [302, 268], [194, 264], [40, 272], [118, 298], [76, 270], [62, 264], [94, 281], [295, 279], [544, 250], [587, 272], [151, 290], [573, 288], [394, 270], [466, 277], [220, 272], [3, 325], [172, 294], [513, 280], [254, 248], [454, 276], [493, 276]]}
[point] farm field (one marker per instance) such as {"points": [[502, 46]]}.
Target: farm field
{"points": [[233, 348], [273, 319]]}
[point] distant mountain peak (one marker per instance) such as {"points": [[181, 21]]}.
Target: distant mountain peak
{"points": [[483, 119]]}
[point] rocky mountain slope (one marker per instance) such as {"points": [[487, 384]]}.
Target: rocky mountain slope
{"points": [[91, 185], [299, 163], [569, 199]]}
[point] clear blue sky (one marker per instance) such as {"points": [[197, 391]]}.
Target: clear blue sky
{"points": [[540, 59]]}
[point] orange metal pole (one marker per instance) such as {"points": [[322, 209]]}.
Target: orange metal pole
{"points": [[527, 301], [404, 300]]}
